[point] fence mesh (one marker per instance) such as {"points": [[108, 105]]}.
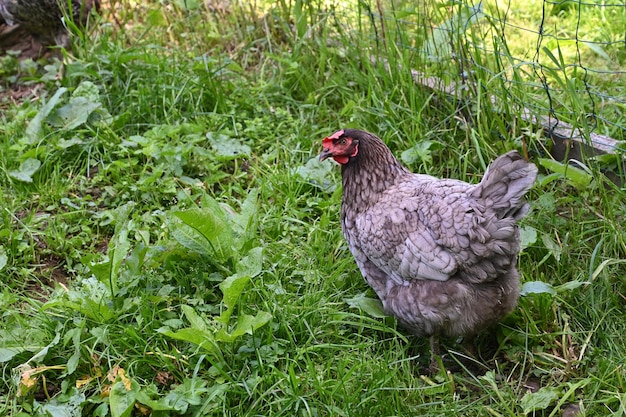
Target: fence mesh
{"points": [[563, 61]]}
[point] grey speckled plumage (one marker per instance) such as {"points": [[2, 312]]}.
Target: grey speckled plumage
{"points": [[440, 253]]}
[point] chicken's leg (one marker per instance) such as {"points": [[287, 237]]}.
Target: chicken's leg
{"points": [[435, 357]]}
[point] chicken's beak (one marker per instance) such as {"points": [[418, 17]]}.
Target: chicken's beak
{"points": [[326, 153]]}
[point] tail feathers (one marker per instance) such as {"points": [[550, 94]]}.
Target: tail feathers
{"points": [[505, 183]]}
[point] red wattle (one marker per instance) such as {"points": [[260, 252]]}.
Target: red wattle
{"points": [[341, 159]]}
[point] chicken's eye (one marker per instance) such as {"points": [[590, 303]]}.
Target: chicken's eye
{"points": [[343, 141]]}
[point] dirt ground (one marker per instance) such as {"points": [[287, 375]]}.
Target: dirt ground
{"points": [[16, 38]]}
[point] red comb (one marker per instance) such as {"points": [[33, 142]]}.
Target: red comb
{"points": [[335, 135]]}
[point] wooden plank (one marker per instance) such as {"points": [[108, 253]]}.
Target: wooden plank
{"points": [[568, 142], [555, 129]]}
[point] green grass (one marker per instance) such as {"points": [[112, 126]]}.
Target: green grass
{"points": [[169, 201]]}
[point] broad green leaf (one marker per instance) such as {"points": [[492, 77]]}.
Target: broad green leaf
{"points": [[196, 321], [421, 152], [84, 102], [34, 129], [528, 235], [122, 397], [69, 404], [96, 309], [201, 333], [189, 237], [73, 335], [3, 258], [251, 264], [73, 114], [180, 401], [108, 272], [317, 173], [150, 397], [101, 411], [205, 340], [117, 253], [537, 287], [64, 144], [371, 306], [231, 287], [216, 229], [192, 391], [26, 170], [215, 394], [540, 400], [39, 356], [91, 298], [578, 177], [547, 179], [88, 90], [245, 324], [227, 147], [245, 220], [570, 285], [136, 259], [205, 230], [547, 201], [7, 353], [176, 401], [100, 270], [552, 246], [161, 404]]}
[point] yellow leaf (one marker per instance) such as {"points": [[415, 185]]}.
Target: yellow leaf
{"points": [[27, 381], [122, 374], [81, 382]]}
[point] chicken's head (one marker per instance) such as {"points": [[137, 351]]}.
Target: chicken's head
{"points": [[340, 146]]}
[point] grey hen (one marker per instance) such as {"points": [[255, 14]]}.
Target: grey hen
{"points": [[441, 254]]}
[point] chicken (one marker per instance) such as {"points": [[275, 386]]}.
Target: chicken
{"points": [[441, 254], [43, 19]]}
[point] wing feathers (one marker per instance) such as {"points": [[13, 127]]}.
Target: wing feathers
{"points": [[431, 229]]}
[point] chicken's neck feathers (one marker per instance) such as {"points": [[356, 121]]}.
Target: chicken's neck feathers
{"points": [[373, 171]]}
